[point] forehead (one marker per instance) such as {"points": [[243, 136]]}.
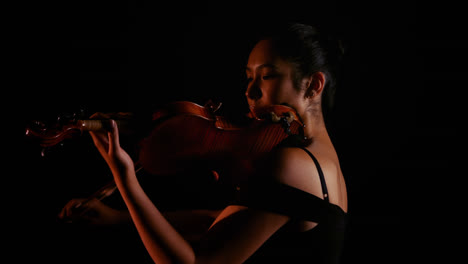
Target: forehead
{"points": [[263, 53]]}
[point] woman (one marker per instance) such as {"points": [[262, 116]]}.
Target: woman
{"points": [[296, 210]]}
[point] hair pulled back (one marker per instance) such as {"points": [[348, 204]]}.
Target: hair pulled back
{"points": [[309, 51]]}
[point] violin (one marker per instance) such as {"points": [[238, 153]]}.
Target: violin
{"points": [[185, 135]]}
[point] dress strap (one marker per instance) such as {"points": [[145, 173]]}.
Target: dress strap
{"points": [[320, 172]]}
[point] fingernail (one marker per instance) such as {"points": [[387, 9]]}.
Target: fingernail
{"points": [[77, 205]]}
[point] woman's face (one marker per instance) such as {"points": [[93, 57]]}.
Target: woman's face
{"points": [[269, 78]]}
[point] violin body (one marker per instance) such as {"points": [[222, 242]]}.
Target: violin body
{"points": [[187, 135]]}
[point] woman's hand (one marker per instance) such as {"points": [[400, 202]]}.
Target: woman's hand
{"points": [[92, 212], [108, 145]]}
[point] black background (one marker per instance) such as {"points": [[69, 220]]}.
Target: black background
{"points": [[396, 127]]}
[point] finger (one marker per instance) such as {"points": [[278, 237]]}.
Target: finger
{"points": [[63, 212], [113, 136], [67, 210], [95, 115], [70, 208], [99, 115], [61, 215]]}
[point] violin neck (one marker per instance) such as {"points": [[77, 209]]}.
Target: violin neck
{"points": [[103, 125]]}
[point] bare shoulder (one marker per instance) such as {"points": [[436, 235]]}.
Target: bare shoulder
{"points": [[294, 167], [287, 161]]}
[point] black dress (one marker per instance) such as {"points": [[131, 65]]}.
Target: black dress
{"points": [[321, 244]]}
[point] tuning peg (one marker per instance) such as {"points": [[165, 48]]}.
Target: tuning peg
{"points": [[64, 117], [39, 123], [81, 113]]}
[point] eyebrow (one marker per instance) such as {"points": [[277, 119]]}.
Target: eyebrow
{"points": [[266, 65]]}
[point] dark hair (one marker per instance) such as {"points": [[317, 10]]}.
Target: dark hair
{"points": [[309, 51]]}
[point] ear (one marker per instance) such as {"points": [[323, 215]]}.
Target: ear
{"points": [[315, 84]]}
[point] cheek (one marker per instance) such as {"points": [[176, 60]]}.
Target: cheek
{"points": [[283, 92]]}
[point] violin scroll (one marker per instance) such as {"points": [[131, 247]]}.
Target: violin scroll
{"points": [[70, 126]]}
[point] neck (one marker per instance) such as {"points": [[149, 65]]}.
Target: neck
{"points": [[314, 125]]}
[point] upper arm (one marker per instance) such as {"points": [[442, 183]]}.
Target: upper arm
{"points": [[239, 231], [191, 224], [237, 234]]}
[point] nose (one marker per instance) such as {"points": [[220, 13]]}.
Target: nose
{"points": [[253, 91]]}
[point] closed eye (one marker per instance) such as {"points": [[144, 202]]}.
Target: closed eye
{"points": [[269, 77]]}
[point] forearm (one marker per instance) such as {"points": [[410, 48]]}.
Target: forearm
{"points": [[161, 239]]}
